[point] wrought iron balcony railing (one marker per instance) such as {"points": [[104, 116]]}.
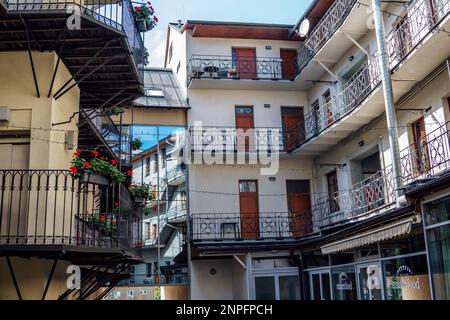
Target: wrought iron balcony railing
{"points": [[363, 198], [427, 158], [228, 67], [155, 279], [229, 139], [324, 30], [175, 174], [421, 19], [50, 207], [248, 227], [353, 93], [116, 14]]}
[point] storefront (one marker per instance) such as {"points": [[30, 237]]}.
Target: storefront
{"points": [[392, 269]]}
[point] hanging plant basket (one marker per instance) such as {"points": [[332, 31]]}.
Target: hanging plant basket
{"points": [[141, 25], [95, 178], [139, 202]]}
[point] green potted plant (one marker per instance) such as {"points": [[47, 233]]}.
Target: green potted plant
{"points": [[136, 143], [144, 16], [140, 193], [97, 171], [146, 56]]}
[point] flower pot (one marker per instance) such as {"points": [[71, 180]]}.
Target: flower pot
{"points": [[95, 178], [141, 25], [139, 202]]}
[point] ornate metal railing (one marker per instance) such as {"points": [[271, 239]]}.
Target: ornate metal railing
{"points": [[324, 30], [258, 226], [229, 139], [175, 174], [155, 279], [421, 19], [363, 198], [228, 67], [427, 158], [116, 14], [353, 93], [49, 207]]}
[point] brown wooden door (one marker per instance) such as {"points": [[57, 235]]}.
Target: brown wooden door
{"points": [[328, 107], [288, 63], [249, 209], [245, 125], [245, 62], [403, 36], [299, 204], [293, 126], [420, 154], [333, 189]]}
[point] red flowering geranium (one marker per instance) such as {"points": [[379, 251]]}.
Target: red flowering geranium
{"points": [[146, 12], [95, 153], [130, 172], [96, 165]]}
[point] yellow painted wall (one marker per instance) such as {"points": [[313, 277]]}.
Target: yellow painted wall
{"points": [[32, 275], [17, 91], [163, 117]]}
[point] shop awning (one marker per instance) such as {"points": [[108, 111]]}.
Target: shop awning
{"points": [[390, 231]]}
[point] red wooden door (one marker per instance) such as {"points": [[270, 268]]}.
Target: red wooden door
{"points": [[249, 209], [245, 126], [299, 204], [246, 62], [293, 125], [422, 162], [288, 63]]}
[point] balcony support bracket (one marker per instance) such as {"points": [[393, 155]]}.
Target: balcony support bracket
{"points": [[61, 48], [49, 280], [322, 64], [240, 262], [13, 276], [356, 43], [30, 56]]}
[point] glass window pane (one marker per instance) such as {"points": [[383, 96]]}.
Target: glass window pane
{"points": [[326, 290], [265, 288], [289, 288], [344, 283], [316, 287], [407, 279], [397, 247], [437, 211], [439, 252]]}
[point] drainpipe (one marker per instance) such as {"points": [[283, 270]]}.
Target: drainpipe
{"points": [[388, 98]]}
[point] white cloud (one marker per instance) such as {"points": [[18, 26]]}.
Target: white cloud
{"points": [[156, 45]]}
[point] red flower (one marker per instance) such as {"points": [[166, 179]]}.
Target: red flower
{"points": [[116, 204], [95, 153], [102, 158], [87, 164], [77, 153], [102, 218], [137, 8], [130, 172], [155, 18], [113, 161], [132, 185], [74, 169], [114, 222], [151, 9]]}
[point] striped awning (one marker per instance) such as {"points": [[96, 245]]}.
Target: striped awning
{"points": [[390, 231]]}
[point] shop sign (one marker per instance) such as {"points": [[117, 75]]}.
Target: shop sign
{"points": [[404, 279], [344, 282]]}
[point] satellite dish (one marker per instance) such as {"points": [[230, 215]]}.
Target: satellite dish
{"points": [[304, 28]]}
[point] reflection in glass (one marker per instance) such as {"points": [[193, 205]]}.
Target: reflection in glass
{"points": [[344, 283], [265, 288], [439, 253], [289, 287], [370, 282]]}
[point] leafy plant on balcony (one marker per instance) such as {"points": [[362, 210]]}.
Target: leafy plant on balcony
{"points": [[136, 143], [115, 111], [139, 190], [99, 164], [145, 17], [106, 223], [146, 56]]}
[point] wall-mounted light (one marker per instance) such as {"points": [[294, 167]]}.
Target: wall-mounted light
{"points": [[267, 106], [351, 58], [268, 47], [361, 143], [70, 140], [272, 179]]}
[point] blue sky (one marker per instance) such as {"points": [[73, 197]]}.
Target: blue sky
{"points": [[148, 134], [264, 11]]}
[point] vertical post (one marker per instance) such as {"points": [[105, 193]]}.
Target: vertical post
{"points": [[158, 190], [388, 97]]}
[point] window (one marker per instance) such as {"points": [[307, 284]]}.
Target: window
{"points": [[422, 162], [149, 270], [154, 93], [344, 283], [332, 183], [327, 101], [155, 163], [147, 166], [170, 52], [315, 107]]}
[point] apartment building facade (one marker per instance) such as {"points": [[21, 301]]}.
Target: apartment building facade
{"points": [[328, 224], [57, 87]]}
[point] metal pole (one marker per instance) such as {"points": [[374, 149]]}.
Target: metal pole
{"points": [[388, 97], [157, 203]]}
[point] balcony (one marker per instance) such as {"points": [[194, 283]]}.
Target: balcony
{"points": [[229, 139], [427, 159], [52, 209], [177, 278], [336, 32], [176, 176], [363, 199], [229, 227], [253, 73], [104, 55], [329, 123]]}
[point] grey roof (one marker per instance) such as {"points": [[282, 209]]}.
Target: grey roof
{"points": [[162, 79]]}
